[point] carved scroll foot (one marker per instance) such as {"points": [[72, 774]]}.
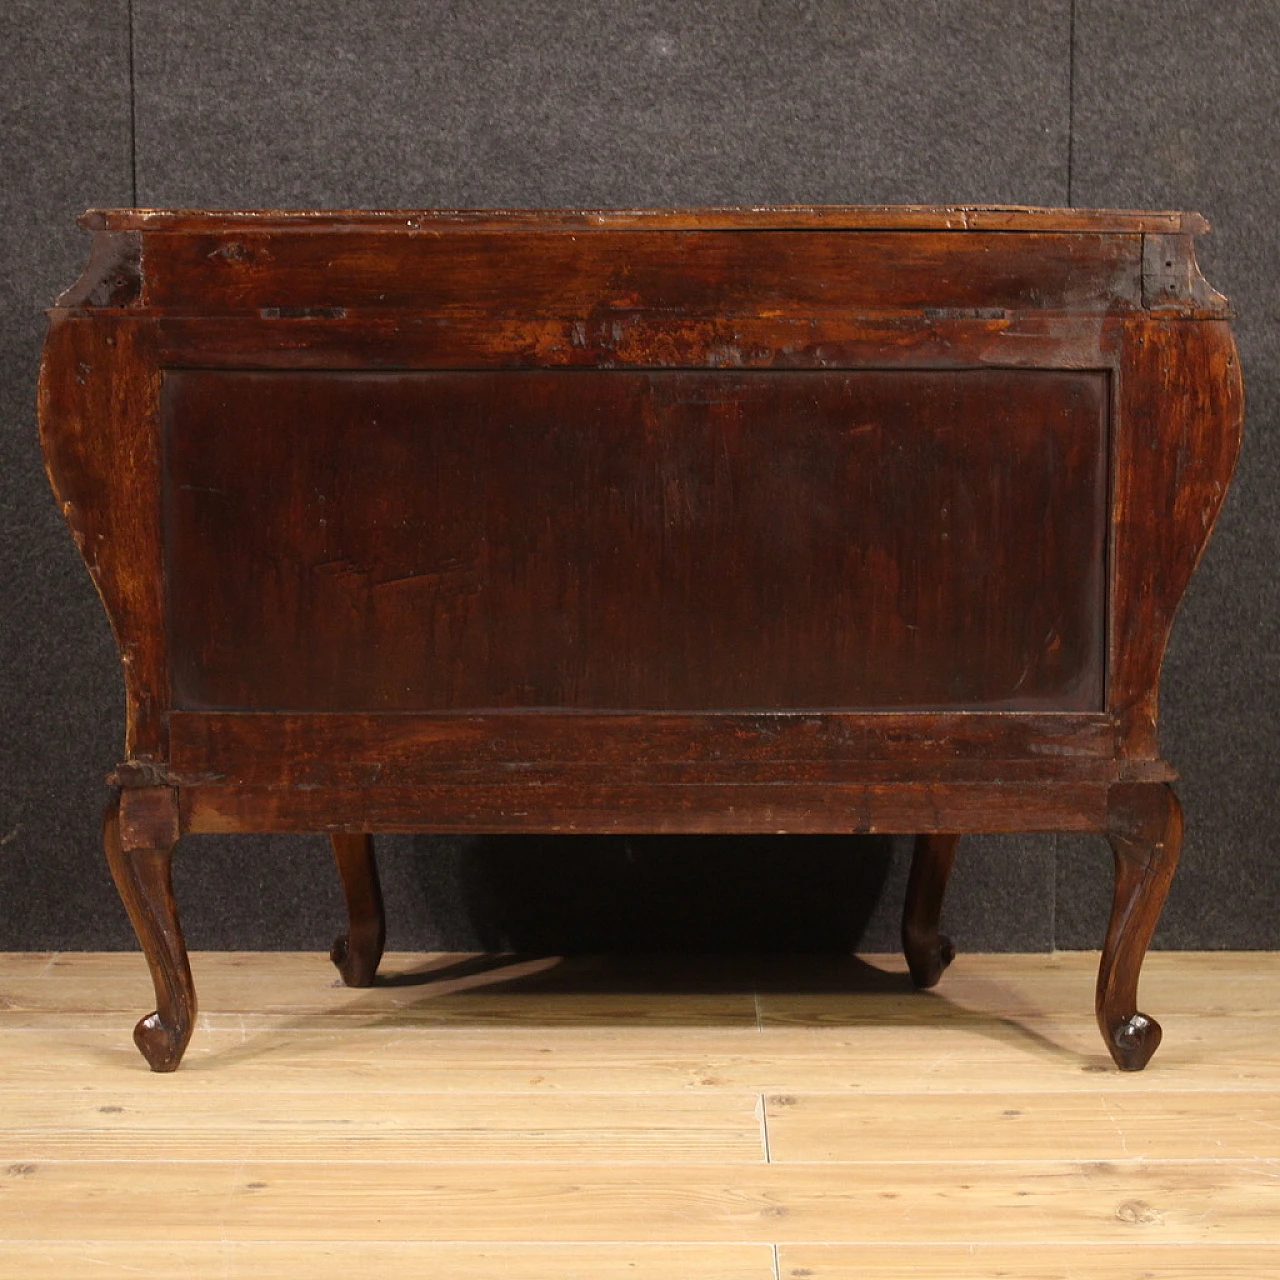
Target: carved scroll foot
{"points": [[358, 951], [928, 952], [139, 832], [1145, 830]]}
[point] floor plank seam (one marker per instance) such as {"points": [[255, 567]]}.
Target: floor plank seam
{"points": [[482, 1242], [136, 1241], [1128, 1164], [488, 1242]]}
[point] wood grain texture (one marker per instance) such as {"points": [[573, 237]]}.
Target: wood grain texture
{"points": [[928, 951], [696, 272], [340, 1260], [539, 1024], [1181, 400], [687, 520], [1094, 1202], [660, 541], [793, 217], [1209, 986], [275, 750], [608, 1128], [651, 1046], [943, 1127], [358, 950], [1052, 1261], [646, 806], [574, 337], [596, 1136], [142, 869], [1146, 838], [98, 428], [392, 1127], [637, 1260]]}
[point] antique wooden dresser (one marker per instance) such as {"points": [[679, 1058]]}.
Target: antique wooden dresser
{"points": [[720, 520]]}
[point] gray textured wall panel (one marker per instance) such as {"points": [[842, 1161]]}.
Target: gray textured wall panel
{"points": [[239, 102], [545, 102], [1178, 106], [65, 142]]}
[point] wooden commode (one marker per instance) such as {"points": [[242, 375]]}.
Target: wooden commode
{"points": [[707, 520]]}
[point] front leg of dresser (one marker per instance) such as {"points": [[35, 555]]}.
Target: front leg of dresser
{"points": [[139, 833], [1145, 830]]}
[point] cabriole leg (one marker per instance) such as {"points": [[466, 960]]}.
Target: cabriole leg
{"points": [[358, 951], [139, 832], [928, 952], [1145, 830]]}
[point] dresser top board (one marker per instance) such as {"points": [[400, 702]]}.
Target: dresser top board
{"points": [[799, 262], [770, 218]]}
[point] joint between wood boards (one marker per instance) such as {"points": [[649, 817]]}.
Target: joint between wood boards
{"points": [[1137, 822], [139, 773], [1171, 277], [149, 817], [113, 275]]}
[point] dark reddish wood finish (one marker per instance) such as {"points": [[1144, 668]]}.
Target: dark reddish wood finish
{"points": [[694, 520], [1145, 829], [619, 270], [139, 832], [869, 217], [928, 952], [635, 541], [358, 951]]}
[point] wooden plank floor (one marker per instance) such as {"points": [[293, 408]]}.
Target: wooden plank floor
{"points": [[709, 1119]]}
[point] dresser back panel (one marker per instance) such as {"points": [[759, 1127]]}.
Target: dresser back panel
{"points": [[635, 540]]}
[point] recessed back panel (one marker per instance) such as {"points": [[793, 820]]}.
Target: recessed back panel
{"points": [[673, 540]]}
